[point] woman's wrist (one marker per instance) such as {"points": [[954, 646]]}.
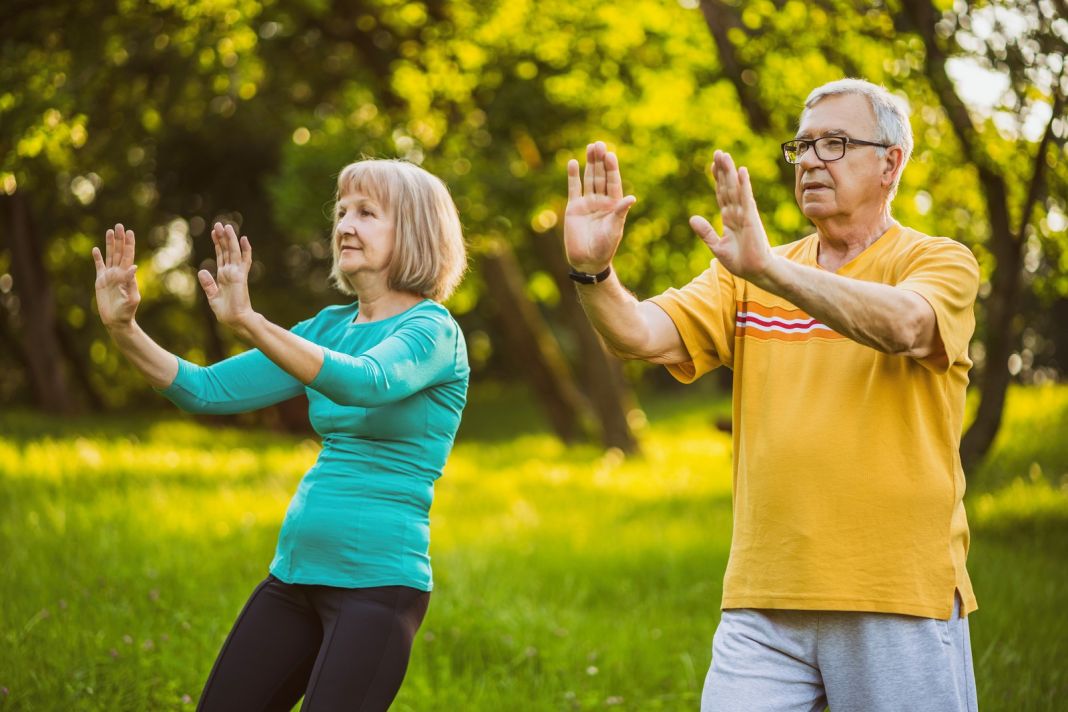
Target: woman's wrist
{"points": [[118, 329], [246, 325]]}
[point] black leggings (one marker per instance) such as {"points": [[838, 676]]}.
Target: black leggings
{"points": [[342, 648]]}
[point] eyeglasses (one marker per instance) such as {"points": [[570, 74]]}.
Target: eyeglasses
{"points": [[828, 148]]}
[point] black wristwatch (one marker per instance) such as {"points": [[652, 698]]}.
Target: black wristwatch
{"points": [[587, 278]]}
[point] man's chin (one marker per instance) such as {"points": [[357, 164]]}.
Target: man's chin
{"points": [[817, 210]]}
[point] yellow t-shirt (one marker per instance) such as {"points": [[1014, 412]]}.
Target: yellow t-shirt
{"points": [[848, 487]]}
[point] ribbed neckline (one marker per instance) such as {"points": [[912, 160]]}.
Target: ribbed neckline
{"points": [[869, 252], [353, 324]]}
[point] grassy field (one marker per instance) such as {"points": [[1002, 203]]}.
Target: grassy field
{"points": [[566, 579]]}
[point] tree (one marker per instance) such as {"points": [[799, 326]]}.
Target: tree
{"points": [[993, 204]]}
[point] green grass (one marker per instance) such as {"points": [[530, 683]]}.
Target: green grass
{"points": [[566, 579]]}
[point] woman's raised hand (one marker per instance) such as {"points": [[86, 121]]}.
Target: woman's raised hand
{"points": [[596, 210], [117, 296], [228, 294]]}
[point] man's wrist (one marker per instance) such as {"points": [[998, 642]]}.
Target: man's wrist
{"points": [[771, 277], [583, 277]]}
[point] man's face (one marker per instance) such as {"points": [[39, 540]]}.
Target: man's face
{"points": [[858, 180]]}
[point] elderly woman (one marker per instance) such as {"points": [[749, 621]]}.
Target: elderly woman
{"points": [[386, 379]]}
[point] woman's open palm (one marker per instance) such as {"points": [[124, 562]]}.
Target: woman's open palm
{"points": [[117, 295], [228, 292]]}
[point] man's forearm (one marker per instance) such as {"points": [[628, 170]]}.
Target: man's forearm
{"points": [[890, 320], [613, 312], [630, 328]]}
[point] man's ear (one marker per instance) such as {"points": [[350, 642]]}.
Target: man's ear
{"points": [[893, 162]]}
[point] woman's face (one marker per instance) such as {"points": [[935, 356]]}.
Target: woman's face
{"points": [[364, 237]]}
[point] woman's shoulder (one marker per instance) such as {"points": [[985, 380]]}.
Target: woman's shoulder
{"points": [[429, 311]]}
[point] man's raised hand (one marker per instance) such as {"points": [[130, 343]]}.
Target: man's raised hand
{"points": [[596, 210], [743, 248]]}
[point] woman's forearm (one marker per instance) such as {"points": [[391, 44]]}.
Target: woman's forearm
{"points": [[156, 364], [295, 355]]}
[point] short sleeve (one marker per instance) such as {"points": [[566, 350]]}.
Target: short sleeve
{"points": [[946, 274], [704, 312]]}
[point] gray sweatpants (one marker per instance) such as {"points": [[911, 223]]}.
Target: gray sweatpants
{"points": [[786, 661]]}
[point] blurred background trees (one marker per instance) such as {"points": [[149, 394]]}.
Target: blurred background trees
{"points": [[170, 114]]}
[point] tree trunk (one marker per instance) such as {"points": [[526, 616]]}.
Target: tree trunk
{"points": [[721, 18], [78, 366], [531, 347], [1003, 335], [37, 311], [600, 373], [1001, 314], [11, 345]]}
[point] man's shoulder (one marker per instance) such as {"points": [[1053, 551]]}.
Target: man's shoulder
{"points": [[913, 244]]}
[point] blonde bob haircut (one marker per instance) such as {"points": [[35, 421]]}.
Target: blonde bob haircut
{"points": [[429, 256]]}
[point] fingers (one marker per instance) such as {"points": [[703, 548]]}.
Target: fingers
{"points": [[127, 258], [116, 245], [601, 177], [207, 283], [705, 231], [130, 278], [109, 242], [587, 176], [624, 205], [745, 187], [574, 183], [237, 250], [220, 249], [233, 245], [613, 178], [98, 260], [599, 168], [725, 173]]}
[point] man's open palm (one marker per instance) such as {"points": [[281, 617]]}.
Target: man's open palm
{"points": [[596, 210], [743, 248]]}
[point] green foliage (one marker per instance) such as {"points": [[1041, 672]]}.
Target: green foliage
{"points": [[173, 114], [566, 578]]}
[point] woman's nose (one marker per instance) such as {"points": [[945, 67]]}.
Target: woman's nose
{"points": [[346, 226]]}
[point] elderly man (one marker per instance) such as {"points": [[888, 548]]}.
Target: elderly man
{"points": [[846, 584]]}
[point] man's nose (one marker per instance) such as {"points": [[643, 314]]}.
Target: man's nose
{"points": [[810, 160]]}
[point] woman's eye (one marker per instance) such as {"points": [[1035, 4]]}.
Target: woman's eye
{"points": [[367, 213]]}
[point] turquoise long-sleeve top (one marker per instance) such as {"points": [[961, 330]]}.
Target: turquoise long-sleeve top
{"points": [[387, 404]]}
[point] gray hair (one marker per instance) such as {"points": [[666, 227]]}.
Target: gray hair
{"points": [[891, 115]]}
